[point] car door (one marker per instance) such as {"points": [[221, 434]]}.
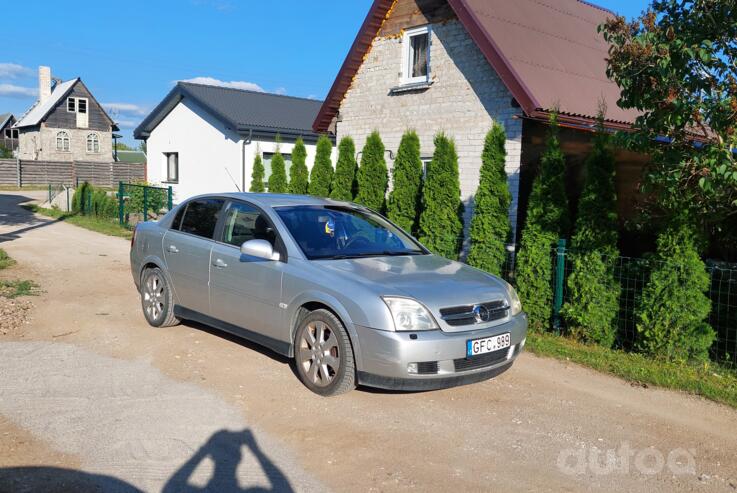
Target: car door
{"points": [[246, 291], [187, 252]]}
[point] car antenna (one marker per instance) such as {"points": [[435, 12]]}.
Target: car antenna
{"points": [[231, 178]]}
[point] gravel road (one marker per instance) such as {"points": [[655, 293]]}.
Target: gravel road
{"points": [[90, 396]]}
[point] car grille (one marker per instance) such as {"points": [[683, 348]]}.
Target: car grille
{"points": [[427, 368], [474, 362], [466, 315]]}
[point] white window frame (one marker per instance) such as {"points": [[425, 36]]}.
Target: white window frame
{"points": [[406, 70], [169, 178], [61, 137], [74, 105], [93, 139], [86, 106]]}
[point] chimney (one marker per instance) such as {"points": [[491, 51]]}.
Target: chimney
{"points": [[44, 83]]}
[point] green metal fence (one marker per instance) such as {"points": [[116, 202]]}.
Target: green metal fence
{"points": [[139, 202], [633, 275]]}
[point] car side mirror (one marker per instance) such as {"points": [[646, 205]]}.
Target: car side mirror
{"points": [[260, 249]]}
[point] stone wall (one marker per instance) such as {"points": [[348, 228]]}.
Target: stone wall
{"points": [[40, 144], [465, 98]]}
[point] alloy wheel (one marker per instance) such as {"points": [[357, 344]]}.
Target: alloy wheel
{"points": [[153, 297], [319, 354]]}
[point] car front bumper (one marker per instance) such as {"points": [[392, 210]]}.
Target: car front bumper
{"points": [[438, 358]]}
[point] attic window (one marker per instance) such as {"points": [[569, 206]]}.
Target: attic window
{"points": [[72, 105], [77, 105], [416, 55]]}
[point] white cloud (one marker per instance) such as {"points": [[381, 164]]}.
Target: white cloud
{"points": [[13, 71], [235, 84], [280, 90], [125, 108], [13, 91], [127, 123]]}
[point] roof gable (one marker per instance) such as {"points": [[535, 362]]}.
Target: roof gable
{"points": [[242, 110], [548, 53]]}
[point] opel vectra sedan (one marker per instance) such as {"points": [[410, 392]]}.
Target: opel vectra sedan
{"points": [[349, 296]]}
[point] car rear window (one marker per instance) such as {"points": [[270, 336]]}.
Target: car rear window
{"points": [[201, 217]]}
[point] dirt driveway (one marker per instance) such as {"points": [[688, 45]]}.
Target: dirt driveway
{"points": [[91, 395]]}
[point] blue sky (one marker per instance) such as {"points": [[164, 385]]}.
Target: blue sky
{"points": [[130, 53]]}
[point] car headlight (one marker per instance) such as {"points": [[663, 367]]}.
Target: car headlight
{"points": [[409, 314], [515, 305]]}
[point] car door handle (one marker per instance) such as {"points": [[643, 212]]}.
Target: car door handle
{"points": [[173, 249], [219, 263]]}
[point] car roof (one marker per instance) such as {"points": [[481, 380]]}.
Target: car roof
{"points": [[278, 199]]}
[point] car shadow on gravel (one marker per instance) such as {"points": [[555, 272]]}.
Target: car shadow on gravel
{"points": [[224, 449]]}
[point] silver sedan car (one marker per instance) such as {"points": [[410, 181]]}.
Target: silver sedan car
{"points": [[349, 296]]}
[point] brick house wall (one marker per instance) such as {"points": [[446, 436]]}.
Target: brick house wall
{"points": [[465, 98]]}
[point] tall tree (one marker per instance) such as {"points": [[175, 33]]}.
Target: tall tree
{"points": [[547, 220], [403, 207], [322, 172], [593, 290], [372, 174], [490, 227], [441, 223], [257, 175], [344, 180], [298, 172], [278, 177]]}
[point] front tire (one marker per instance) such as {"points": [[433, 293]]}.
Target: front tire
{"points": [[324, 355], [157, 299]]}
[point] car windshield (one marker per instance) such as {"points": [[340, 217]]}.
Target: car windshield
{"points": [[337, 232]]}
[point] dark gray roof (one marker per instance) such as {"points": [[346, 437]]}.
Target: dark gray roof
{"points": [[244, 111], [4, 118]]}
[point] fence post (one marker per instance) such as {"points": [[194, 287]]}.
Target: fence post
{"points": [[560, 265], [170, 198], [145, 204], [18, 179], [49, 194], [121, 205]]}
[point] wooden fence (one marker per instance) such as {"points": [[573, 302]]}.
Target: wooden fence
{"points": [[23, 173]]}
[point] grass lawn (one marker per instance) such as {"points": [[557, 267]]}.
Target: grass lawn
{"points": [[5, 260], [711, 381], [105, 226]]}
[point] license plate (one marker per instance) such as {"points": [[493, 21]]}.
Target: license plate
{"points": [[474, 347]]}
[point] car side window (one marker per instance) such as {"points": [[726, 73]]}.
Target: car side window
{"points": [[244, 223], [177, 223], [201, 217]]}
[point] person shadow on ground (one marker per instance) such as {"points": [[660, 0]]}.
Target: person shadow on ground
{"points": [[225, 449]]}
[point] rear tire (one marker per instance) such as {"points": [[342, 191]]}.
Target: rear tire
{"points": [[323, 354], [157, 299]]}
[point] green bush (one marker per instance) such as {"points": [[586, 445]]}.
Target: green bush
{"points": [[322, 172], [156, 200], [80, 199], [593, 290], [547, 220], [92, 201], [673, 309], [441, 223], [344, 179], [278, 177], [257, 176], [490, 227], [403, 206], [5, 153], [372, 174], [298, 172]]}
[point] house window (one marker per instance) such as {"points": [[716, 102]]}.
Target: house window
{"points": [[267, 157], [62, 141], [11, 133], [425, 163], [77, 105], [172, 167], [416, 56], [93, 143], [81, 105], [72, 105]]}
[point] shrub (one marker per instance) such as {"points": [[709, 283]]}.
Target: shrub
{"points": [[403, 206], [344, 179], [81, 200], [156, 200], [322, 172], [372, 174], [490, 227], [5, 153], [547, 220], [673, 309], [441, 224], [278, 177], [593, 289], [298, 173], [257, 176]]}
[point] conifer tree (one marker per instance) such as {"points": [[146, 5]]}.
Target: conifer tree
{"points": [[344, 180], [298, 173], [490, 227], [257, 176], [322, 171], [404, 202], [278, 177], [441, 224], [547, 220], [372, 174]]}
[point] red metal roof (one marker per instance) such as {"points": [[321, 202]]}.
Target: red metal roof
{"points": [[548, 53]]}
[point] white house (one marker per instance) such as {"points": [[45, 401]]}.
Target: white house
{"points": [[203, 139]]}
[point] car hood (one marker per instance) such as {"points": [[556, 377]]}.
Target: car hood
{"points": [[435, 281]]}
